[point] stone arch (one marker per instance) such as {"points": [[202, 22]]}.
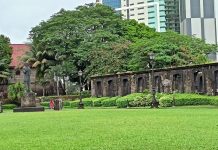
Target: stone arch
{"points": [[158, 84], [110, 88], [126, 87], [99, 90], [198, 82], [140, 84], [177, 84]]}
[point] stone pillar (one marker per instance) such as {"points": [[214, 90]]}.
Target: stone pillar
{"points": [[209, 77], [104, 87], [188, 80], [133, 83], [93, 92], [119, 85]]}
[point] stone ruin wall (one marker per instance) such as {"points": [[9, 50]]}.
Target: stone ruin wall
{"points": [[201, 79]]}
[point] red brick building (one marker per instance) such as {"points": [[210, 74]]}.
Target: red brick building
{"points": [[19, 50]]}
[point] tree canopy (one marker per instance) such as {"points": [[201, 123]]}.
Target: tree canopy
{"points": [[95, 39], [5, 57]]}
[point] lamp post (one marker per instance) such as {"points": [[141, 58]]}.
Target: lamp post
{"points": [[154, 103], [81, 105]]}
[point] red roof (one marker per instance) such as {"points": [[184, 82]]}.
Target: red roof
{"points": [[18, 50]]}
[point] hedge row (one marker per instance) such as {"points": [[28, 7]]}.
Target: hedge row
{"points": [[8, 106], [85, 94], [132, 100], [141, 100], [187, 99], [63, 97]]}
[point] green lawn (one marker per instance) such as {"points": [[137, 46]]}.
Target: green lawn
{"points": [[111, 129]]}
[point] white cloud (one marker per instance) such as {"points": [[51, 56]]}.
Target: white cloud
{"points": [[17, 17]]}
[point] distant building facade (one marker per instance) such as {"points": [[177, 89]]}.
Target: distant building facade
{"points": [[149, 12], [199, 19], [172, 15], [19, 50]]}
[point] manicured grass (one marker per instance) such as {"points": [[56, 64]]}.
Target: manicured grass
{"points": [[111, 129]]}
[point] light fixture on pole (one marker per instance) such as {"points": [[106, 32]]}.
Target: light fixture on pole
{"points": [[154, 103]]}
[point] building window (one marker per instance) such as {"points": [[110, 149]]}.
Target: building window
{"points": [[141, 13], [208, 8], [140, 8], [140, 2], [141, 19], [112, 3], [195, 9]]}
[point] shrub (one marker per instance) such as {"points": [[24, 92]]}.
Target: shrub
{"points": [[8, 106], [63, 97], [87, 102], [214, 100], [166, 101], [191, 99], [97, 102], [66, 103], [139, 101], [125, 101], [109, 102], [16, 92], [74, 104], [86, 94], [45, 104], [148, 99], [122, 102], [146, 92]]}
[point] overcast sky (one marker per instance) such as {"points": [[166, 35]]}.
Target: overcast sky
{"points": [[17, 17]]}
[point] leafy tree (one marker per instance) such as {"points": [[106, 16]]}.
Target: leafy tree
{"points": [[95, 39], [5, 57], [171, 49]]}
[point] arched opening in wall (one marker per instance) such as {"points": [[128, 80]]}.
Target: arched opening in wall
{"points": [[99, 89], [198, 82], [157, 83], [200, 88], [216, 82], [140, 85], [110, 89], [126, 87], [177, 83]]}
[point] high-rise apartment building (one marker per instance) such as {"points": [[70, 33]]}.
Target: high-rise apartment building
{"points": [[150, 12], [199, 19], [156, 14], [112, 3], [172, 15]]}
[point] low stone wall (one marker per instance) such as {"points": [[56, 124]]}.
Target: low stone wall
{"points": [[188, 79]]}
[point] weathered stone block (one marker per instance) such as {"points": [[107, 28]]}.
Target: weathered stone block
{"points": [[29, 100]]}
